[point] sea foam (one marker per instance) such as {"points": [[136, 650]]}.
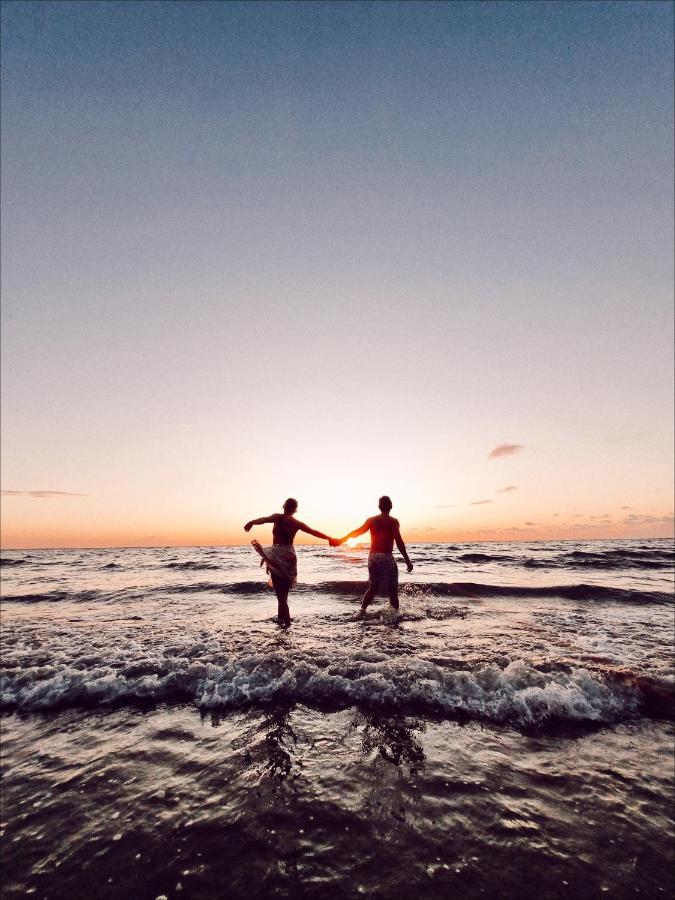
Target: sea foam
{"points": [[517, 693]]}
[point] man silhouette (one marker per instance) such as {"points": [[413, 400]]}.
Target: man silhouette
{"points": [[382, 569]]}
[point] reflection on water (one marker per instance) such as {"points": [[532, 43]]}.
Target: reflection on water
{"points": [[288, 801], [392, 737], [167, 740], [279, 743]]}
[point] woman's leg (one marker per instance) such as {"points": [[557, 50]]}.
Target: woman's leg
{"points": [[282, 586]]}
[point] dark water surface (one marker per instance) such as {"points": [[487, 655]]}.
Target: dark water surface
{"points": [[511, 735]]}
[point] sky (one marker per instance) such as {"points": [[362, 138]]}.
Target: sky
{"points": [[330, 251]]}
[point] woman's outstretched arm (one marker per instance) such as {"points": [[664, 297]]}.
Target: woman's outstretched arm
{"points": [[318, 534], [265, 520]]}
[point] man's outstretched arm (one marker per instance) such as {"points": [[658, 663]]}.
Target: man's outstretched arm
{"points": [[265, 520], [401, 548], [356, 533]]}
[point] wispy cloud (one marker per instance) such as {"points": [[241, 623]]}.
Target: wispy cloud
{"points": [[479, 502], [626, 507], [505, 450], [530, 523], [42, 494], [505, 490], [636, 519]]}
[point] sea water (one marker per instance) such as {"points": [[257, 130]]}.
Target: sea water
{"points": [[510, 733]]}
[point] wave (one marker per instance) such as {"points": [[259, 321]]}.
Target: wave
{"points": [[517, 693], [6, 561], [619, 559], [634, 554], [474, 590], [603, 559], [411, 591], [190, 565], [56, 596], [486, 557], [214, 587], [577, 592]]}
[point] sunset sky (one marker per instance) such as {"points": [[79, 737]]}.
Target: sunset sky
{"points": [[330, 251]]}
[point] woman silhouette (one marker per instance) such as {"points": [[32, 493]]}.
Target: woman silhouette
{"points": [[280, 559]]}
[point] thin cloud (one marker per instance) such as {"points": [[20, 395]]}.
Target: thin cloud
{"points": [[505, 490], [505, 450], [42, 494], [635, 519], [626, 507], [530, 523], [479, 502]]}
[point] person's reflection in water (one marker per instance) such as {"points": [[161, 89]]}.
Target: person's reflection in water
{"points": [[275, 754], [392, 736], [280, 743]]}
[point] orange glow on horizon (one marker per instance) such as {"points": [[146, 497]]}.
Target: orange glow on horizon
{"points": [[25, 538]]}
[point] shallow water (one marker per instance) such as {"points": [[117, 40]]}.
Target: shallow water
{"points": [[510, 734]]}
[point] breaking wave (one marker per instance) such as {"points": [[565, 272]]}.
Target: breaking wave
{"points": [[517, 693], [419, 590]]}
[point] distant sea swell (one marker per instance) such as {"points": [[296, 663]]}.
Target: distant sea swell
{"points": [[461, 589]]}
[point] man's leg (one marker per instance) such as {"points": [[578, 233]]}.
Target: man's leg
{"points": [[393, 596], [367, 598], [282, 587]]}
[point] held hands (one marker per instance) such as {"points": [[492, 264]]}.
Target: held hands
{"points": [[334, 542]]}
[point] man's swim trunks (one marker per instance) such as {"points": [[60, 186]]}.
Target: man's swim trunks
{"points": [[382, 573]]}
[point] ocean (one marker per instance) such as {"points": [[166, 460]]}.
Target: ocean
{"points": [[509, 735]]}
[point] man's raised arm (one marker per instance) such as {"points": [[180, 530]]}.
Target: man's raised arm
{"points": [[401, 547]]}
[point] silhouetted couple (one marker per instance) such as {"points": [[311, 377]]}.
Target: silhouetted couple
{"points": [[282, 564]]}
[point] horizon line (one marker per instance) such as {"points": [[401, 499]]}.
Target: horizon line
{"points": [[517, 540]]}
